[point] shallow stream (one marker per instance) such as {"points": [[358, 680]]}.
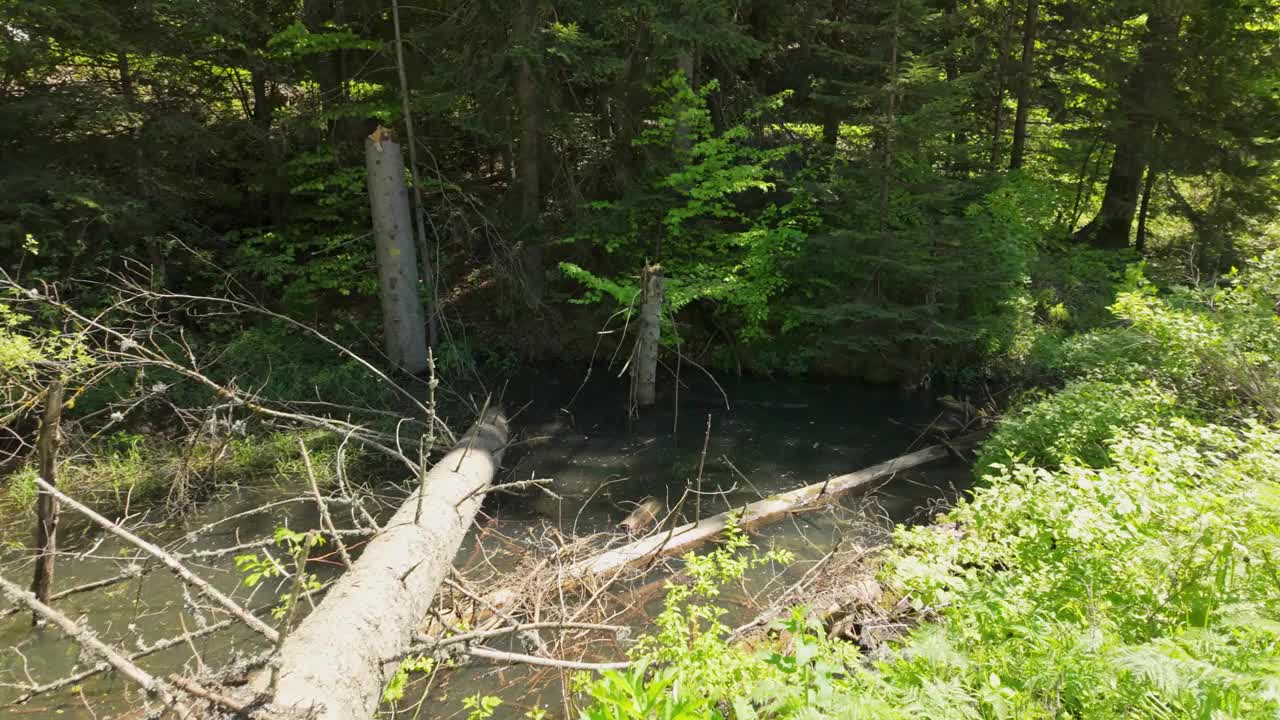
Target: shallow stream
{"points": [[569, 427]]}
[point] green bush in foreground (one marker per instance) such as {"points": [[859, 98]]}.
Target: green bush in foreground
{"points": [[1120, 559]]}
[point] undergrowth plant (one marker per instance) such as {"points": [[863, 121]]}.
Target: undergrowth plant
{"points": [[1120, 557]]}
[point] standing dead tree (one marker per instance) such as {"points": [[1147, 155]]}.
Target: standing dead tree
{"points": [[644, 371], [46, 503]]}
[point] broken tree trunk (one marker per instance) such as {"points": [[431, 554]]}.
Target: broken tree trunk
{"points": [[403, 324], [46, 502], [332, 663], [644, 373]]}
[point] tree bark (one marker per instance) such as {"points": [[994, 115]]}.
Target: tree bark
{"points": [[886, 167], [1140, 244], [1134, 130], [530, 166], [424, 250], [46, 503], [1024, 85], [525, 22], [404, 328], [644, 370], [332, 662], [951, 65], [1002, 69]]}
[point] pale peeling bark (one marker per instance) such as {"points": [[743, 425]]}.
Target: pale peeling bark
{"points": [[644, 378], [46, 502], [332, 664], [403, 323]]}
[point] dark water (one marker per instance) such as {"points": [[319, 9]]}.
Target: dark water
{"points": [[773, 436]]}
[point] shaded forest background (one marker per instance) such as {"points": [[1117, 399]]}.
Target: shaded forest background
{"points": [[901, 190]]}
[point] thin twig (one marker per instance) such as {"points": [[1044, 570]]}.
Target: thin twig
{"points": [[169, 560], [325, 519]]}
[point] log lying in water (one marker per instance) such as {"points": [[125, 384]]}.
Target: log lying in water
{"points": [[331, 665], [756, 514]]}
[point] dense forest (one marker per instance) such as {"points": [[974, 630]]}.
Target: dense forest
{"points": [[886, 191], [239, 237]]}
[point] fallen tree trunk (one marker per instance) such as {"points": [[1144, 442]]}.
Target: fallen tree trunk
{"points": [[331, 665], [763, 512]]}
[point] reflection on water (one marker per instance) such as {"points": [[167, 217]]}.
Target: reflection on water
{"points": [[774, 436]]}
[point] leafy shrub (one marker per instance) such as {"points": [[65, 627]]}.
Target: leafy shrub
{"points": [[1076, 423], [284, 364], [1147, 585], [1124, 564]]}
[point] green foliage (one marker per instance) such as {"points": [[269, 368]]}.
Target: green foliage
{"points": [[942, 285], [282, 363], [480, 706], [1104, 590], [1076, 424], [1118, 560], [399, 682], [1217, 347], [297, 545], [711, 209]]}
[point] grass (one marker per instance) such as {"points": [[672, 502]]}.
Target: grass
{"points": [[128, 472]]}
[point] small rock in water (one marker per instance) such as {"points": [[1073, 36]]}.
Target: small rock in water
{"points": [[643, 516]]}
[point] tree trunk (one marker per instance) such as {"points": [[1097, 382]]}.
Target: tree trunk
{"points": [[530, 165], [886, 167], [332, 662], [1002, 68], [1024, 86], [682, 539], [951, 65], [1140, 244], [530, 113], [404, 327], [1134, 130], [644, 371], [420, 212], [46, 504]]}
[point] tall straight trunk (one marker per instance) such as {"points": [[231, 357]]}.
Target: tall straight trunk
{"points": [[329, 69], [951, 64], [1134, 130], [529, 167], [1002, 70], [627, 89], [1024, 85], [403, 324], [831, 129], [1144, 208], [137, 180], [644, 369], [886, 167], [530, 103], [420, 212], [46, 504]]}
